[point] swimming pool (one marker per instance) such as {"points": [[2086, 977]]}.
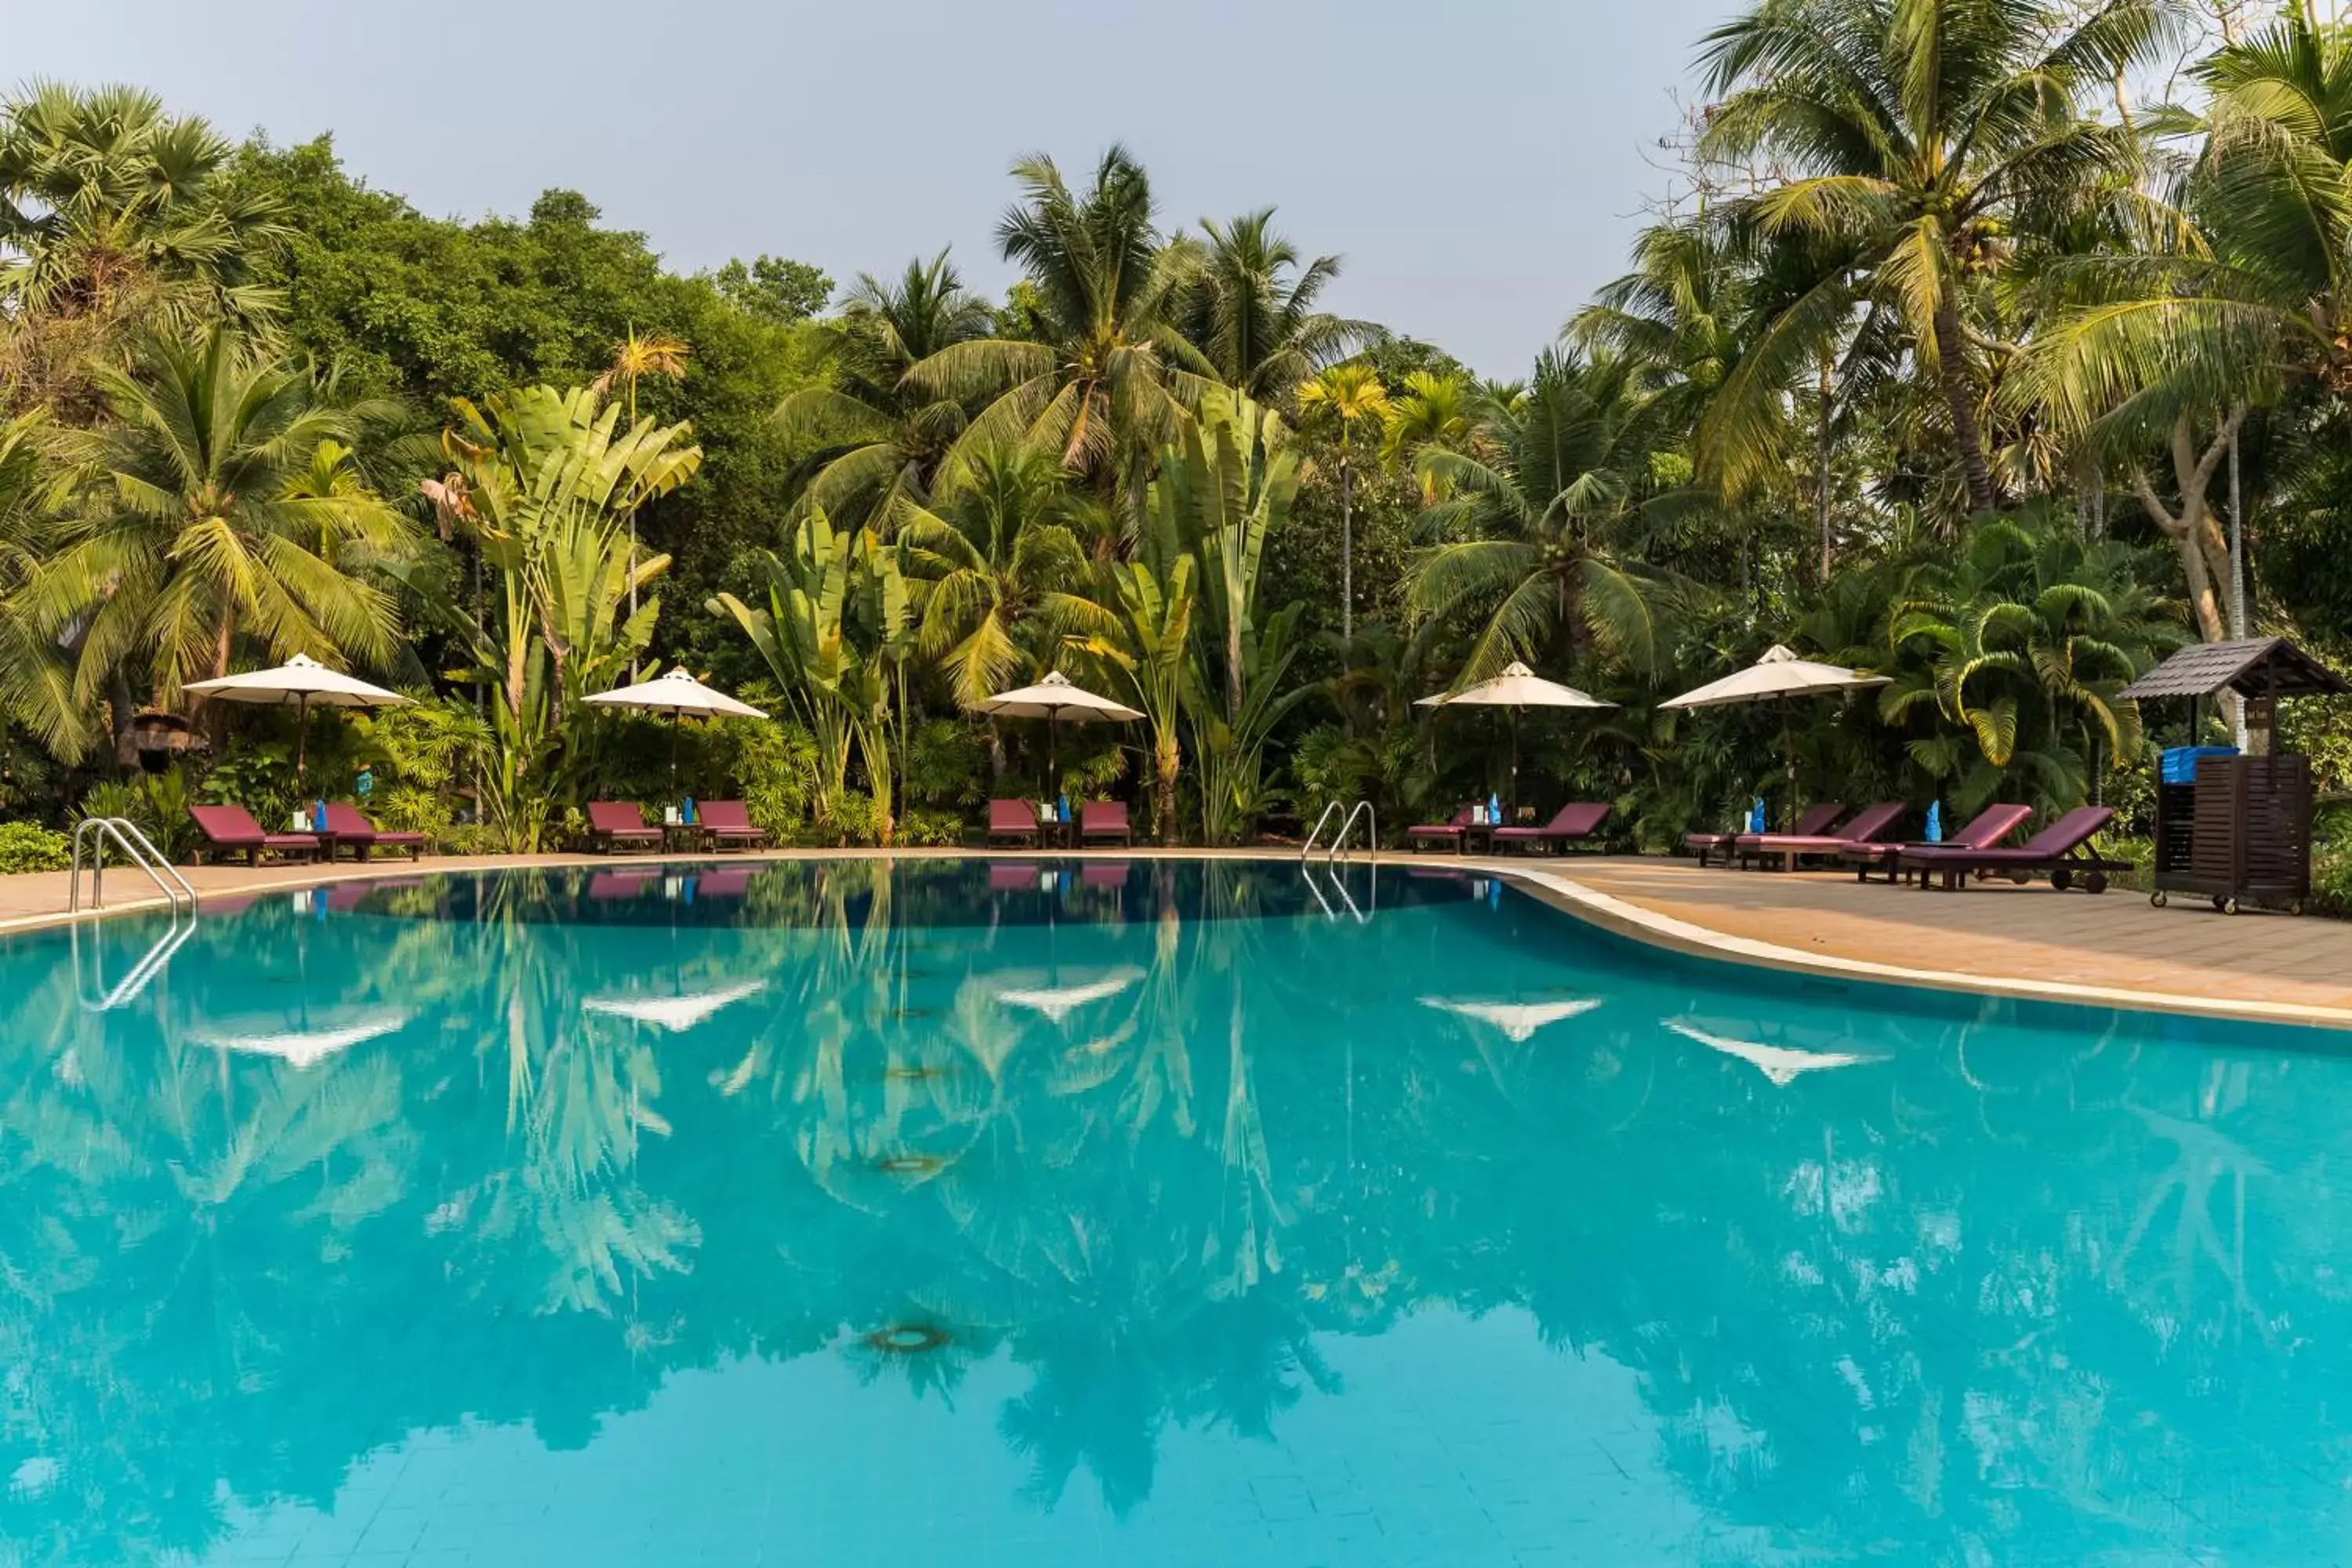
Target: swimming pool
{"points": [[1038, 1212]]}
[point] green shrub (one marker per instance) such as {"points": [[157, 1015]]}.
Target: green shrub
{"points": [[29, 847], [923, 829], [467, 838], [410, 808]]}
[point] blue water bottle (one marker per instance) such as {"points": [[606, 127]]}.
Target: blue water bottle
{"points": [[318, 814], [1934, 822], [1063, 813], [1493, 809], [688, 814]]}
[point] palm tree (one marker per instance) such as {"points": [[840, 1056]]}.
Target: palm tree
{"points": [[36, 682], [197, 528], [2174, 347], [1110, 381], [634, 359], [1347, 398], [878, 439], [1926, 140], [2021, 644], [1252, 312], [985, 564], [1435, 409], [1527, 533], [113, 211]]}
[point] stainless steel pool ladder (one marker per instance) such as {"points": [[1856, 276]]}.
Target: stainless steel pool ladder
{"points": [[151, 963], [137, 849], [1362, 810]]}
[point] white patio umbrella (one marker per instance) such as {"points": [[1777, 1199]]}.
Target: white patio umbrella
{"points": [[1517, 687], [1778, 675], [1783, 1065], [677, 1013], [678, 694], [305, 1047], [1055, 698], [1518, 1020], [300, 681]]}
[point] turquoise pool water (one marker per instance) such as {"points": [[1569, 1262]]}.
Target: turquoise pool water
{"points": [[1055, 1213]]}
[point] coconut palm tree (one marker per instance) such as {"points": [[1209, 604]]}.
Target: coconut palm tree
{"points": [[1528, 532], [986, 563], [877, 439], [1925, 143], [1110, 381], [1346, 398], [196, 529], [1252, 312], [634, 359]]}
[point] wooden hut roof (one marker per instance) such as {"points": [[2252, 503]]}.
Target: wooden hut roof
{"points": [[2252, 667]]}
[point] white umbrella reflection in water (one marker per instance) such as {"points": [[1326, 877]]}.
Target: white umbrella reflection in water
{"points": [[1781, 1064], [677, 1013], [1519, 1021]]}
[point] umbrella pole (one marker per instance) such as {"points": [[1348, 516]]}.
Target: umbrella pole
{"points": [[301, 734], [1514, 764], [676, 723], [1789, 764]]}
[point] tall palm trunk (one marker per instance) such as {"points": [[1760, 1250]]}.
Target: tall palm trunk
{"points": [[1951, 369], [1347, 539], [1822, 467]]}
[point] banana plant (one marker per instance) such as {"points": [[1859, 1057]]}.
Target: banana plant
{"points": [[818, 593], [1142, 627]]}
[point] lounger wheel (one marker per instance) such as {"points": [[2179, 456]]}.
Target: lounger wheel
{"points": [[2227, 906], [2096, 882], [2062, 877], [2021, 877], [2295, 906], [2159, 899]]}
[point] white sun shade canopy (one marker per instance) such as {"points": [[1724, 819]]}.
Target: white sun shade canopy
{"points": [[677, 1014], [1779, 673], [1516, 687], [1783, 1065], [1518, 1020], [1056, 697], [299, 680], [305, 1048], [680, 695]]}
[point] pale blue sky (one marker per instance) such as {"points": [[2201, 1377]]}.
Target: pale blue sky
{"points": [[1480, 165]]}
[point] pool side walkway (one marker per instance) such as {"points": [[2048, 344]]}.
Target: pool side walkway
{"points": [[2022, 941]]}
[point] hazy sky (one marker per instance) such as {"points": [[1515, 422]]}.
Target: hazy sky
{"points": [[1478, 165]]}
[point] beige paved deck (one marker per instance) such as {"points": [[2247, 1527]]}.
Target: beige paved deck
{"points": [[2016, 940]]}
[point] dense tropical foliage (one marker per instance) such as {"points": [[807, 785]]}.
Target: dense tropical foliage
{"points": [[1993, 346]]}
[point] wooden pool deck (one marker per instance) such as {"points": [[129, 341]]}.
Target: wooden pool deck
{"points": [[2029, 941]]}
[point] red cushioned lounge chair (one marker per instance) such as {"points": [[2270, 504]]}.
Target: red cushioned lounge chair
{"points": [[1987, 829], [614, 822], [1870, 825], [1815, 819], [727, 824], [1449, 832], [351, 828], [230, 829], [1104, 820], [1577, 821], [1016, 820], [2057, 849]]}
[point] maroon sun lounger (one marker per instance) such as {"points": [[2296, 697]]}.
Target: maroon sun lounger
{"points": [[616, 822], [230, 829], [1577, 821], [1871, 824], [732, 883], [1016, 820], [1984, 830], [1815, 819], [351, 828], [1449, 832], [1105, 820], [2056, 849], [728, 823]]}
